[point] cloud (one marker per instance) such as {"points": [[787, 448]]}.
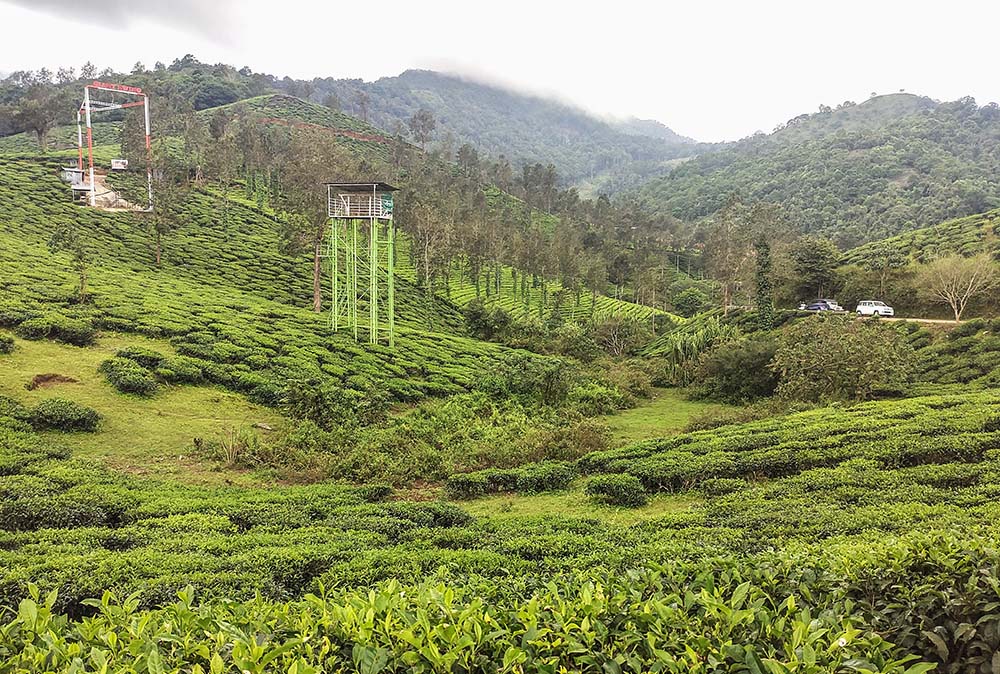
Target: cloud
{"points": [[209, 18]]}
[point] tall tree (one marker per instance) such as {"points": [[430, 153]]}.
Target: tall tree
{"points": [[763, 282], [422, 125], [728, 249], [72, 239], [955, 280], [814, 260], [882, 259], [40, 109], [302, 197]]}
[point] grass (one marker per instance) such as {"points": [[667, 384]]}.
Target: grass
{"points": [[666, 413], [573, 503], [143, 436]]}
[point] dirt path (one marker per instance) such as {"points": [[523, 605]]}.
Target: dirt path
{"points": [[107, 198], [936, 321]]}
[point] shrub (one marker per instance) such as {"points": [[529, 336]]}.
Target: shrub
{"points": [[64, 415], [691, 301], [592, 399], [12, 408], [853, 358], [146, 357], [550, 476], [485, 323], [546, 379], [59, 328], [619, 489], [622, 336], [738, 372], [129, 377], [180, 370], [6, 344], [720, 486]]}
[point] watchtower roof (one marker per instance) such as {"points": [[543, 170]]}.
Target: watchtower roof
{"points": [[362, 187]]}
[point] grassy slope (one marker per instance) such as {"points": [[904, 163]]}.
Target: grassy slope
{"points": [[969, 235], [142, 436], [669, 411], [220, 285]]}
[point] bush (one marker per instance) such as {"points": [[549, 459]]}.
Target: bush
{"points": [[484, 323], [738, 372], [539, 477], [546, 379], [545, 477], [146, 357], [64, 415], [854, 357], [59, 328], [691, 301], [619, 489], [12, 408], [180, 370], [129, 377], [593, 399], [6, 344], [720, 486]]}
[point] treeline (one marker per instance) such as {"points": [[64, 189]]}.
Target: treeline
{"points": [[855, 174], [467, 214]]}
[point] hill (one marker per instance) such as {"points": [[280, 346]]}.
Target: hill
{"points": [[523, 128], [857, 173], [968, 236]]}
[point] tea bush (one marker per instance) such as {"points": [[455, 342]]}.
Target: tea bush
{"points": [[64, 415], [551, 476], [59, 328], [617, 489], [6, 344], [147, 358], [128, 376]]}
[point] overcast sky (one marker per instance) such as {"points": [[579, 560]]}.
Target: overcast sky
{"points": [[710, 70]]}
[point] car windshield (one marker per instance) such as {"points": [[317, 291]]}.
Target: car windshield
{"points": [[879, 304]]}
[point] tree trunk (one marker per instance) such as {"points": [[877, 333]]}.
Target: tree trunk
{"points": [[317, 296], [83, 286]]}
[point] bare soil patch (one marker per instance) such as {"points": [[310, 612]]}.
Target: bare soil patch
{"points": [[48, 380]]}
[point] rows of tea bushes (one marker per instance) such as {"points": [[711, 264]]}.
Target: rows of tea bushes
{"points": [[833, 543], [528, 298], [968, 236], [75, 526], [224, 295], [966, 354], [914, 433], [679, 619], [60, 138]]}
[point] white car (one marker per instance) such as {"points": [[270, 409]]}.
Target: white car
{"points": [[874, 308]]}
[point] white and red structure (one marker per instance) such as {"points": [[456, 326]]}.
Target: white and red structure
{"points": [[90, 106]]}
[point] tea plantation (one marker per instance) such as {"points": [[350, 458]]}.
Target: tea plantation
{"points": [[451, 505], [860, 535]]}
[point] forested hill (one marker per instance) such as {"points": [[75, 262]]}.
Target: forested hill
{"points": [[587, 151], [857, 173]]}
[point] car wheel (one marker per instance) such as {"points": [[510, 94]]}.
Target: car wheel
{"points": [[860, 315]]}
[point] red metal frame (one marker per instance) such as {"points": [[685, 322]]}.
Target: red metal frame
{"points": [[88, 107]]}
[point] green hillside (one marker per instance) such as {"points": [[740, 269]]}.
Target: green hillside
{"points": [[198, 476], [968, 236], [225, 294], [855, 174], [523, 128]]}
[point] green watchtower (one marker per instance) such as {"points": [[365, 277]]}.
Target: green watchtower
{"points": [[361, 254]]}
